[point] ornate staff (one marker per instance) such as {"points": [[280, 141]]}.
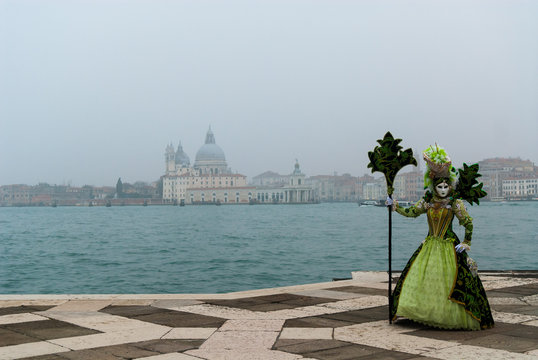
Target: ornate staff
{"points": [[389, 158]]}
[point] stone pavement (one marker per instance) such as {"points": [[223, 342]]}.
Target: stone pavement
{"points": [[336, 320]]}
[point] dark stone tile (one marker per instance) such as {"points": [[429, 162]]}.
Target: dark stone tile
{"points": [[181, 319], [350, 352], [285, 342], [307, 301], [316, 322], [450, 335], [22, 309], [165, 346], [126, 351], [388, 355], [361, 316], [130, 311], [49, 329], [271, 302], [313, 346], [89, 354], [523, 290], [361, 290], [275, 298], [504, 342], [270, 307], [516, 330], [503, 294], [8, 337]]}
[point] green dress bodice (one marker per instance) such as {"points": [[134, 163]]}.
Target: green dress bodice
{"points": [[440, 214]]}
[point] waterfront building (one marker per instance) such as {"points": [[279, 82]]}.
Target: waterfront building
{"points": [[17, 194], [496, 170], [209, 180], [520, 188], [269, 178], [336, 188], [296, 191], [374, 190]]}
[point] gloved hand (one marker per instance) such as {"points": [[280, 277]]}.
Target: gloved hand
{"points": [[392, 203], [462, 247]]}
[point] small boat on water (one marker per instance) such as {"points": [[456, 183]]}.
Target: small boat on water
{"points": [[371, 203], [381, 203]]}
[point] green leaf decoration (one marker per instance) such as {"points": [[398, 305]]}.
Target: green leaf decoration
{"points": [[468, 187], [389, 158]]}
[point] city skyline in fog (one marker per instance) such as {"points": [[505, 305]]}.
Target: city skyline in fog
{"points": [[91, 91]]}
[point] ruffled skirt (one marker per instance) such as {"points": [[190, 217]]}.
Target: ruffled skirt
{"points": [[426, 289]]}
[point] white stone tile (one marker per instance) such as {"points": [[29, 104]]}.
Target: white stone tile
{"points": [[505, 301], [98, 321], [20, 318], [370, 276], [82, 305], [531, 300], [112, 338], [221, 311], [242, 340], [531, 323], [242, 355], [328, 294], [132, 302], [533, 352], [307, 333], [11, 303], [390, 337], [171, 356], [490, 277], [512, 318], [190, 333], [30, 349], [252, 325], [499, 284], [468, 352]]}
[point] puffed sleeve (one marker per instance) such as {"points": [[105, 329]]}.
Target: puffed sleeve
{"points": [[412, 211], [465, 220]]}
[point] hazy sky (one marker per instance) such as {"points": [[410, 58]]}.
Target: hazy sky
{"points": [[94, 90]]}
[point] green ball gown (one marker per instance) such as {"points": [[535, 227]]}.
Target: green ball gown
{"points": [[439, 287]]}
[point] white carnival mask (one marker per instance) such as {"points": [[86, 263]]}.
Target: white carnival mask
{"points": [[442, 189]]}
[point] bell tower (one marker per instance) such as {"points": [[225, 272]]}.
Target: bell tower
{"points": [[170, 159]]}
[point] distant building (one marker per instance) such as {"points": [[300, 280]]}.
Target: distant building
{"points": [[520, 188], [495, 171], [270, 178], [295, 191], [336, 188], [209, 180]]}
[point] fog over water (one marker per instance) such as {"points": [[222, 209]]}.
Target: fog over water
{"points": [[94, 90]]}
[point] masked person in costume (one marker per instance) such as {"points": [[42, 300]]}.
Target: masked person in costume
{"points": [[439, 285]]}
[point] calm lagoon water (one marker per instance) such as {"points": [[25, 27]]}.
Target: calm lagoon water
{"points": [[212, 249]]}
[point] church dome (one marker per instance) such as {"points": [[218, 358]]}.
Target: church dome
{"points": [[181, 157], [210, 151], [210, 158]]}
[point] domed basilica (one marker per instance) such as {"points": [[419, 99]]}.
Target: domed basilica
{"points": [[210, 180]]}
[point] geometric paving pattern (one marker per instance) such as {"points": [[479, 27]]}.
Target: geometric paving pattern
{"points": [[338, 320]]}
